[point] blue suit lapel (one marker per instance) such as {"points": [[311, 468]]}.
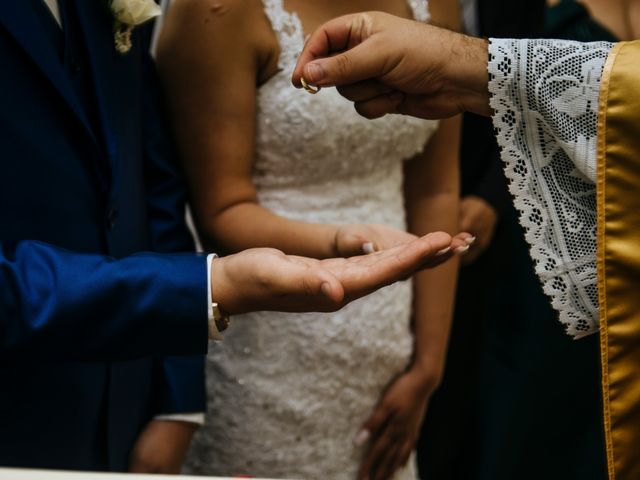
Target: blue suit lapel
{"points": [[20, 20]]}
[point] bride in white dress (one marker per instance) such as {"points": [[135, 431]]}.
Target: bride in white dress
{"points": [[330, 396]]}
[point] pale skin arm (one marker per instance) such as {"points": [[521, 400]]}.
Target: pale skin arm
{"points": [[213, 108]]}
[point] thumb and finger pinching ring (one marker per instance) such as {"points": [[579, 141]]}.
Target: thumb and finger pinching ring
{"points": [[312, 90]]}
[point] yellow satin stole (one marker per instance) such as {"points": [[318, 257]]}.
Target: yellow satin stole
{"points": [[618, 187]]}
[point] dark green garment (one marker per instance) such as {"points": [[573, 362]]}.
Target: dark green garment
{"points": [[570, 20], [529, 406], [520, 399], [540, 412]]}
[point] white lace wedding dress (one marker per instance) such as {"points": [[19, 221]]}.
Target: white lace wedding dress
{"points": [[287, 393]]}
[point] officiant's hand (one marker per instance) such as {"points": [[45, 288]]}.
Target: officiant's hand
{"points": [[267, 279], [386, 64]]}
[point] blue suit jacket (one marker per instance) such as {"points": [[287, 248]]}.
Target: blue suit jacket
{"points": [[85, 318]]}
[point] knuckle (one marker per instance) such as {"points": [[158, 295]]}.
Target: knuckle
{"points": [[308, 286], [263, 278]]}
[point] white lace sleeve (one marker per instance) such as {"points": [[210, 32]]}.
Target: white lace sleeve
{"points": [[544, 94]]}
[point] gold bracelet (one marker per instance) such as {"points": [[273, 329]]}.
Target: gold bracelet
{"points": [[220, 317]]}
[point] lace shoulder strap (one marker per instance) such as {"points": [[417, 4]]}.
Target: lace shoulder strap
{"points": [[420, 9], [288, 29]]}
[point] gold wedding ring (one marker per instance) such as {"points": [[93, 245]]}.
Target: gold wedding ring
{"points": [[309, 88]]}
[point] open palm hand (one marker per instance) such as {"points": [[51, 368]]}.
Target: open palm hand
{"points": [[267, 279]]}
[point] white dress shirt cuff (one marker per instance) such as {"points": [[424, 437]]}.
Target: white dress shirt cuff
{"points": [[197, 418], [214, 333]]}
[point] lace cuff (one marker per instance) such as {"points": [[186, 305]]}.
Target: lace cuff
{"points": [[545, 102]]}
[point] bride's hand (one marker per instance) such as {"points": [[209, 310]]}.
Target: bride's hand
{"points": [[393, 428], [357, 239]]}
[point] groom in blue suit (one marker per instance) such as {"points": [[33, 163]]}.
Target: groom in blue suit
{"points": [[86, 166], [87, 182]]}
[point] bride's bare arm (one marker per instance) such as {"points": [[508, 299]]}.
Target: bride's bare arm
{"points": [[211, 57], [432, 197], [432, 188]]}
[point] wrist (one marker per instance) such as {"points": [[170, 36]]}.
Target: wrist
{"points": [[218, 318], [470, 75], [427, 374], [323, 241], [220, 294]]}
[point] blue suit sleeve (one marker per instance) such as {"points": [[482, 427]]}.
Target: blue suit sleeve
{"points": [[180, 379], [180, 385], [61, 305]]}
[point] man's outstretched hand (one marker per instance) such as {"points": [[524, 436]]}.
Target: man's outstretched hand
{"points": [[267, 279], [386, 64]]}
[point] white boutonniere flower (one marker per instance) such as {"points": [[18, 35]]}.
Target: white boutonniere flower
{"points": [[129, 14]]}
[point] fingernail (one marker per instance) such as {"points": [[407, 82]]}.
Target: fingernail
{"points": [[314, 73], [362, 438], [444, 251], [326, 289], [368, 247], [461, 250], [470, 240]]}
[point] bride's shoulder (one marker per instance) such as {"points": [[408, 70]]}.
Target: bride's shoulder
{"points": [[235, 16], [236, 25], [446, 14], [214, 7]]}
